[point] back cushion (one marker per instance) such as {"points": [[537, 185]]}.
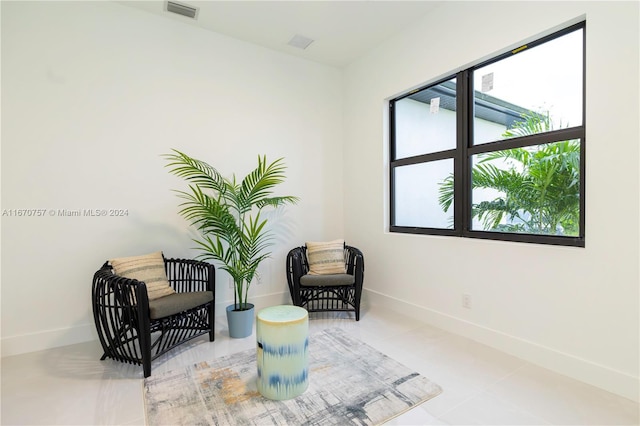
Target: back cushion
{"points": [[326, 257], [148, 268]]}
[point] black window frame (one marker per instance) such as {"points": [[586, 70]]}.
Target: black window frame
{"points": [[465, 150]]}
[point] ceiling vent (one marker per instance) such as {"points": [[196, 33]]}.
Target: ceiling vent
{"points": [[182, 9], [300, 41]]}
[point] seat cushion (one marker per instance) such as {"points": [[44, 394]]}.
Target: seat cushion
{"points": [[178, 302], [149, 269], [326, 280], [326, 257]]}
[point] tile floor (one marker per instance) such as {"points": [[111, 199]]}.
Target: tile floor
{"points": [[71, 386]]}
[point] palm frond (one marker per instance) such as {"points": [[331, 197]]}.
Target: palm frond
{"points": [[195, 171], [446, 193], [258, 185], [276, 201]]}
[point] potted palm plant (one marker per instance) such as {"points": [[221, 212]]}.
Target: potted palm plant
{"points": [[227, 214]]}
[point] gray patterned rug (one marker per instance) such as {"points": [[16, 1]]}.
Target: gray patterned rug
{"points": [[349, 383]]}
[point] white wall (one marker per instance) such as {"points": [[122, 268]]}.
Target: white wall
{"points": [[574, 310], [92, 94]]}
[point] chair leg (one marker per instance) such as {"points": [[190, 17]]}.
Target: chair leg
{"points": [[212, 336], [146, 366], [144, 339], [358, 296], [145, 348]]}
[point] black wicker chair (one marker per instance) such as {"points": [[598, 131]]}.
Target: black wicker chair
{"points": [[133, 330], [326, 293]]}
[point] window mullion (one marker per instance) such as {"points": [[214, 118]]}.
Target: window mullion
{"points": [[392, 155], [529, 140], [434, 156], [462, 177]]}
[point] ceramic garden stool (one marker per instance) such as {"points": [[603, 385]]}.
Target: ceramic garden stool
{"points": [[282, 333]]}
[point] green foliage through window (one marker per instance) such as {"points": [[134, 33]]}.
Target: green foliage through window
{"points": [[538, 186]]}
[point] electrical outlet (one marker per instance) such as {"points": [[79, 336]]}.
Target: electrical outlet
{"points": [[466, 300], [232, 285]]}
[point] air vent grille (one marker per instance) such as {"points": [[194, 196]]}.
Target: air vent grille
{"points": [[182, 9], [300, 41]]}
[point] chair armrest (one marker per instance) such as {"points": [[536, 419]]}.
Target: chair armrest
{"points": [[354, 260], [122, 291], [187, 275], [119, 304], [296, 267]]}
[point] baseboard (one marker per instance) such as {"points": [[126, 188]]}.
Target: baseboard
{"points": [[575, 367], [261, 301], [34, 342]]}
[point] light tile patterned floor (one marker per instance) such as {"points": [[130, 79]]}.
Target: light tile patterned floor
{"points": [[71, 386]]}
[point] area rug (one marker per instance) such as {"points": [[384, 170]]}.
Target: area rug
{"points": [[349, 383]]}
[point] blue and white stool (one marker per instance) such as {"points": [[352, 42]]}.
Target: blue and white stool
{"points": [[282, 333]]}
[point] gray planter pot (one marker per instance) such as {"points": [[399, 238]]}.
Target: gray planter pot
{"points": [[240, 322]]}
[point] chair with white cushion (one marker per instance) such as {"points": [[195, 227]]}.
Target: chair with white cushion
{"points": [[326, 277], [144, 306]]}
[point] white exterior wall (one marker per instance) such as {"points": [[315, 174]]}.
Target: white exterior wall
{"points": [[421, 131], [574, 310]]}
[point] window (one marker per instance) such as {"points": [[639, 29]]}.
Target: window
{"points": [[495, 151]]}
